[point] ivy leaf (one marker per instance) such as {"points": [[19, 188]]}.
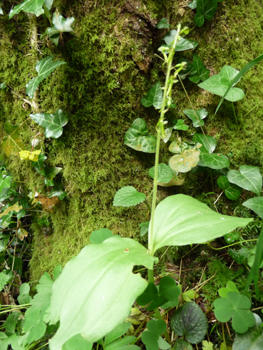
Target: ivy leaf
{"points": [[180, 125], [163, 24], [53, 123], [154, 97], [44, 68], [61, 25], [12, 143], [182, 45], [235, 306], [137, 137], [165, 173], [208, 142], [218, 84], [196, 116], [201, 73], [248, 177], [232, 191], [255, 204], [128, 196], [190, 321], [44, 170], [184, 162], [213, 161], [31, 6], [100, 236], [206, 9]]}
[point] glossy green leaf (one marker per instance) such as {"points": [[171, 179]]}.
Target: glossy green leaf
{"points": [[60, 25], [182, 45], [200, 72], [44, 68], [248, 177], [213, 161], [184, 162], [165, 173], [89, 276], [12, 143], [190, 321], [137, 137], [99, 236], [182, 345], [252, 339], [206, 9], [218, 84], [163, 24], [77, 342], [208, 142], [231, 191], [154, 97], [31, 6], [128, 196], [53, 123], [232, 237], [255, 204], [180, 125], [235, 306], [196, 116], [238, 258], [181, 220]]}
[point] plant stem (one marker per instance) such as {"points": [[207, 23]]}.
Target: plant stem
{"points": [[47, 14], [234, 111]]}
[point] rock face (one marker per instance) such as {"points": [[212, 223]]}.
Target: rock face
{"points": [[111, 63]]}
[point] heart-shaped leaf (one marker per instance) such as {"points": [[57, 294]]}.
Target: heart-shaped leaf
{"points": [[44, 170], [206, 9], [231, 191], [53, 123], [137, 137], [165, 173], [218, 84], [12, 143], [255, 204], [181, 220], [89, 276], [150, 337], [154, 97], [182, 45], [180, 125], [213, 161], [200, 72], [100, 236], [163, 24], [44, 68], [196, 116], [31, 6], [208, 142], [184, 162], [190, 321], [252, 339], [128, 196], [248, 177], [230, 287]]}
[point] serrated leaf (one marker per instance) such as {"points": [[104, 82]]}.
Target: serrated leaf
{"points": [[99, 236], [196, 116], [165, 173], [137, 137], [31, 6], [44, 68], [180, 125], [252, 339], [53, 123], [104, 304], [255, 204], [182, 45], [218, 84], [213, 161], [181, 220], [205, 9], [190, 321], [154, 97], [163, 24], [12, 143], [200, 72], [184, 162], [232, 191], [208, 142], [248, 177], [44, 291], [127, 197]]}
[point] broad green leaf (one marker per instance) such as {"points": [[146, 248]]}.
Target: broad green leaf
{"points": [[117, 332], [10, 324], [230, 287], [61, 25], [163, 24], [77, 342], [137, 137], [190, 321], [148, 295], [184, 162], [231, 191], [207, 345], [44, 290], [213, 161], [151, 336], [128, 196], [53, 123], [90, 276], [235, 306], [181, 220], [48, 4], [182, 45], [255, 204], [252, 339], [144, 226], [44, 68], [154, 97], [34, 326], [123, 344], [248, 177], [31, 6], [180, 125], [165, 173], [200, 72], [169, 289], [208, 142], [12, 143], [196, 116], [205, 9], [182, 345], [3, 280], [99, 236], [218, 84]]}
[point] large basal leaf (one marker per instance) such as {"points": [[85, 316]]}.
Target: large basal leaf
{"points": [[154, 97], [77, 343], [96, 289], [248, 177], [218, 84], [12, 143], [255, 204], [53, 123], [137, 137], [199, 70], [196, 116], [232, 191], [205, 10], [252, 339], [181, 220], [128, 196], [213, 161], [190, 321], [182, 45], [208, 142], [44, 68], [184, 162], [31, 6]]}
